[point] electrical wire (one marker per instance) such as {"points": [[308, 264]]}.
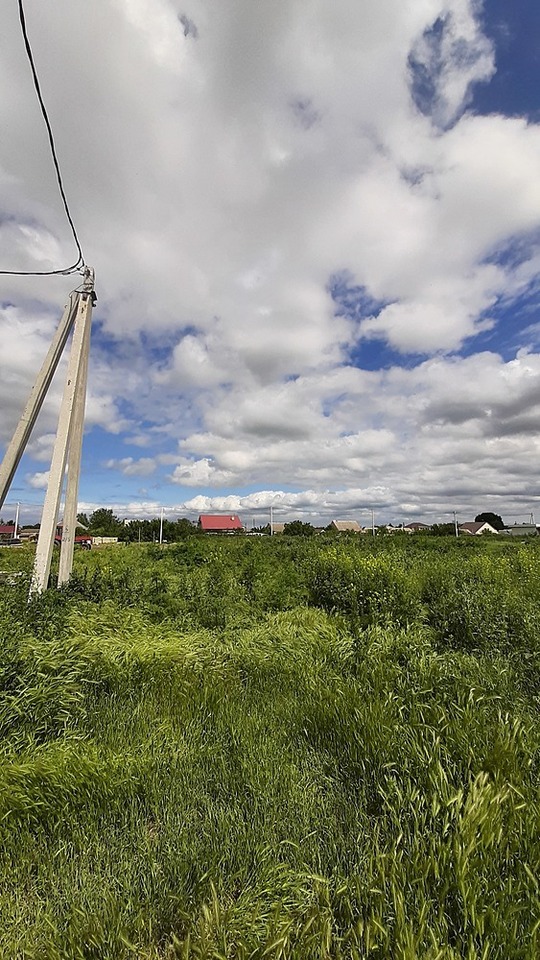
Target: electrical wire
{"points": [[80, 260]]}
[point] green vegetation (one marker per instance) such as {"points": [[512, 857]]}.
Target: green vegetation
{"points": [[104, 523], [259, 748], [296, 528]]}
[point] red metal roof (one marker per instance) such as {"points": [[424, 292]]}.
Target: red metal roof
{"points": [[214, 521], [78, 539], [7, 528]]}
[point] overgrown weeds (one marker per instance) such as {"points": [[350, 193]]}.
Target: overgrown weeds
{"points": [[196, 764]]}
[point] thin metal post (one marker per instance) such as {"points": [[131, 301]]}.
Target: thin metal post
{"points": [[161, 527], [75, 448], [38, 393], [16, 520], [42, 563]]}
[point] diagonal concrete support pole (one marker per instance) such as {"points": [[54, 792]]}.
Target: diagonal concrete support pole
{"points": [[38, 393]]}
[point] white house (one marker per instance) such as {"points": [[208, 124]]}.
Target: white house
{"points": [[476, 528]]}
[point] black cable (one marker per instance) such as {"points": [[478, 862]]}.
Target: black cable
{"points": [[80, 261]]}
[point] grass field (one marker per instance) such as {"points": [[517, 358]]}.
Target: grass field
{"points": [[255, 748]]}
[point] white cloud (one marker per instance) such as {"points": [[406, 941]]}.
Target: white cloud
{"points": [[224, 162], [38, 481], [203, 472], [133, 468], [40, 447], [453, 56]]}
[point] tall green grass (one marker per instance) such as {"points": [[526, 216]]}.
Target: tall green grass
{"points": [[197, 763]]}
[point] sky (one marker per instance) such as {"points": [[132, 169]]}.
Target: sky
{"points": [[316, 235]]}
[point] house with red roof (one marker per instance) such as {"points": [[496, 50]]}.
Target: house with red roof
{"points": [[7, 531], [80, 540], [220, 523]]}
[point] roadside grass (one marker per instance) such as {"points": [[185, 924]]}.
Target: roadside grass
{"points": [[178, 781]]}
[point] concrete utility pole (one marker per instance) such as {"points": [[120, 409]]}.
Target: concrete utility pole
{"points": [[68, 440], [78, 316], [456, 528], [69, 528]]}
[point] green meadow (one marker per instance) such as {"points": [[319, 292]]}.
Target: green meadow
{"points": [[273, 748]]}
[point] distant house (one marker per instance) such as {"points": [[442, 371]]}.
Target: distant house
{"points": [[278, 527], [476, 528], [7, 532], [60, 527], [416, 527], [521, 530], [346, 526], [220, 523], [80, 540], [29, 534]]}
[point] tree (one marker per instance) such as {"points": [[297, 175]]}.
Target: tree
{"points": [[492, 518], [103, 523], [298, 529], [83, 518], [442, 530], [147, 531], [183, 528]]}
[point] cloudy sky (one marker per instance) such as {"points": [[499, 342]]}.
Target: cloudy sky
{"points": [[316, 234]]}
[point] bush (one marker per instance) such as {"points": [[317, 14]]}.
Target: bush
{"points": [[369, 589]]}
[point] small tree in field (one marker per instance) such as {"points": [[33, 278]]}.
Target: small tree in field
{"points": [[298, 529]]}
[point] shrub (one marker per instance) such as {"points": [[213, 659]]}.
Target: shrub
{"points": [[370, 589]]}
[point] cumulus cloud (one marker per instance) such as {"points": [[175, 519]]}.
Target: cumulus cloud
{"points": [[223, 164], [449, 57], [38, 481], [132, 468]]}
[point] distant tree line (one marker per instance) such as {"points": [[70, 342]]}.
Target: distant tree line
{"points": [[104, 523]]}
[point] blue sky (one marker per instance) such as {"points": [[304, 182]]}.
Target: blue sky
{"points": [[514, 29], [316, 241]]}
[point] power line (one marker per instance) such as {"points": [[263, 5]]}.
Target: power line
{"points": [[80, 260]]}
